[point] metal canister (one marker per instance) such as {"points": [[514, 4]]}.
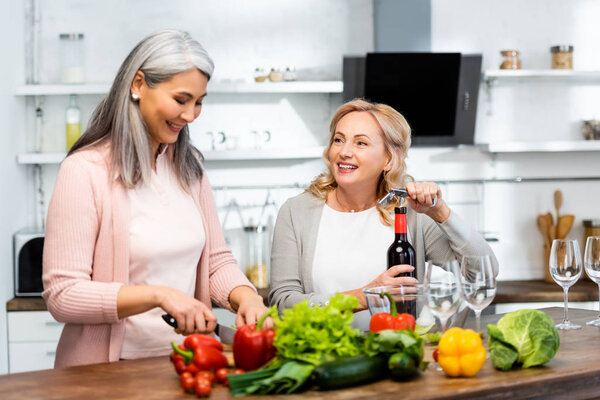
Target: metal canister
{"points": [[591, 227]]}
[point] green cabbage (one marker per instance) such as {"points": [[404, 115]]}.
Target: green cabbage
{"points": [[524, 338]]}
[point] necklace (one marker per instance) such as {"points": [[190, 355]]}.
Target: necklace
{"points": [[335, 194]]}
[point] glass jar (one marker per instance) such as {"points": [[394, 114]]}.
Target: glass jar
{"points": [[511, 59], [256, 257], [71, 58], [73, 122], [260, 75], [562, 57], [275, 75]]}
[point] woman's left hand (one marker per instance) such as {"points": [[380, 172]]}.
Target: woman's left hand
{"points": [[250, 307], [421, 196]]}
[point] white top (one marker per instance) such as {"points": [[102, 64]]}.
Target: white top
{"points": [[166, 239], [351, 251]]}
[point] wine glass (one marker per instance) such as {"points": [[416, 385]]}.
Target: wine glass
{"points": [[478, 283], [565, 268], [591, 261], [442, 290], [441, 286]]}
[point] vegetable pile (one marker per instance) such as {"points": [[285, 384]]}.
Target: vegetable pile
{"points": [[524, 338], [317, 347], [200, 362]]}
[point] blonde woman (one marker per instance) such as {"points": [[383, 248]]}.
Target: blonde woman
{"points": [[334, 237], [132, 227]]}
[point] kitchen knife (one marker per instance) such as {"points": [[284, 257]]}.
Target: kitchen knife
{"points": [[224, 332]]}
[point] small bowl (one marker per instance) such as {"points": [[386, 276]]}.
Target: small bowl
{"points": [[408, 298]]}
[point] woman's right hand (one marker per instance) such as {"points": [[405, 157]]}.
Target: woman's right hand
{"points": [[192, 315], [387, 278]]}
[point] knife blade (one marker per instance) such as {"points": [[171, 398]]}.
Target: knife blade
{"points": [[224, 332]]}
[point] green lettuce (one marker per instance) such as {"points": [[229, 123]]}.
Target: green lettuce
{"points": [[316, 334], [524, 338]]}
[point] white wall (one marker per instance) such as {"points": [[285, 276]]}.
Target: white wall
{"points": [[14, 180]]}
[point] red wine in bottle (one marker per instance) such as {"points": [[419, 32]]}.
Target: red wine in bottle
{"points": [[401, 252]]}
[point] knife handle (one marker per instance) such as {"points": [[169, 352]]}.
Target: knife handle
{"points": [[169, 319]]}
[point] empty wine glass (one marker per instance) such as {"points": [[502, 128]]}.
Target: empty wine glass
{"points": [[441, 286], [442, 289], [591, 261], [565, 268], [478, 283]]}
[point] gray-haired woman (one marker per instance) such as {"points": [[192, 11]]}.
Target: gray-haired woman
{"points": [[132, 228]]}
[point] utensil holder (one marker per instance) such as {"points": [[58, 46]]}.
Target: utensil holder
{"points": [[547, 276]]}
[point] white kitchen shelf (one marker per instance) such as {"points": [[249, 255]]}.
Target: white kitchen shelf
{"points": [[554, 74], [539, 147], [225, 155], [213, 87]]}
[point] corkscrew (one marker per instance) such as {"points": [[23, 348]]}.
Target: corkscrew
{"points": [[400, 192]]}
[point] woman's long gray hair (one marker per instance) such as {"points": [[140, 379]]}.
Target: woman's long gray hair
{"points": [[117, 118]]}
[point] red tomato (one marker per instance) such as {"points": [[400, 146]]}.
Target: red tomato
{"points": [[237, 371], [202, 387], [191, 367], [206, 374], [435, 355], [221, 375], [187, 382]]}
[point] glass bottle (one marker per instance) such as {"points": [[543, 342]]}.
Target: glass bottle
{"points": [[71, 58], [73, 121], [256, 267]]}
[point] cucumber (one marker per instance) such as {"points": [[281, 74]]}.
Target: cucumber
{"points": [[349, 372]]}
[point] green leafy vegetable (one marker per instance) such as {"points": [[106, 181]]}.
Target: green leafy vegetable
{"points": [[389, 342], [285, 379], [421, 330], [432, 337], [526, 338], [318, 334]]}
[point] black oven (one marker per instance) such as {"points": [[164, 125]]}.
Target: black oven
{"points": [[28, 249]]}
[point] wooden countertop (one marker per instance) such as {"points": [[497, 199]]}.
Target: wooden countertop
{"points": [[574, 374], [507, 292]]}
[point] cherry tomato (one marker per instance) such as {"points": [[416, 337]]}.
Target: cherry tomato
{"points": [[237, 371], [187, 382], [202, 387], [206, 374], [221, 375], [192, 368], [435, 355]]}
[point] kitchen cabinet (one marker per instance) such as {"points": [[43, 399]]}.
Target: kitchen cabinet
{"points": [[32, 340]]}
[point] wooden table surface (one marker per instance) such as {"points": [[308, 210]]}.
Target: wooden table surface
{"points": [[574, 374]]}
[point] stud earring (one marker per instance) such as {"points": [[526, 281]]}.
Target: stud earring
{"points": [[135, 96]]}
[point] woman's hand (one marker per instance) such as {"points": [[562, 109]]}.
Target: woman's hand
{"points": [[250, 307], [387, 278], [192, 315], [421, 196]]}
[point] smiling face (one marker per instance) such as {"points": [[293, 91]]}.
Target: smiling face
{"points": [[168, 106], [357, 153]]}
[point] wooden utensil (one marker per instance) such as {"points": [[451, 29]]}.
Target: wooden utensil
{"points": [[565, 222], [549, 219], [558, 200], [543, 226], [552, 233]]}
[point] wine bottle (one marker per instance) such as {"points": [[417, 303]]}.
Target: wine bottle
{"points": [[402, 252]]}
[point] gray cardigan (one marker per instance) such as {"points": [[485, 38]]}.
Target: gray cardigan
{"points": [[295, 238]]}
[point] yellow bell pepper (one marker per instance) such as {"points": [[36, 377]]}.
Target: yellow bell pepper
{"points": [[461, 352]]}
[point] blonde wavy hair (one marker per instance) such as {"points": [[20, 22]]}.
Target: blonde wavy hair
{"points": [[396, 137]]}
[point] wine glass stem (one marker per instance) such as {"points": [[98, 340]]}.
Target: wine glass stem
{"points": [[478, 321], [444, 322], [566, 318]]}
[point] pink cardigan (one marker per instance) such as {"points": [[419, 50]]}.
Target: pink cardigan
{"points": [[86, 257]]}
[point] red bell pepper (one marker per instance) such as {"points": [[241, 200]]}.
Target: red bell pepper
{"points": [[204, 358], [196, 340], [392, 320], [252, 345]]}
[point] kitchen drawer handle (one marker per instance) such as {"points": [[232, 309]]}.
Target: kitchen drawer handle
{"points": [[53, 323], [51, 353]]}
